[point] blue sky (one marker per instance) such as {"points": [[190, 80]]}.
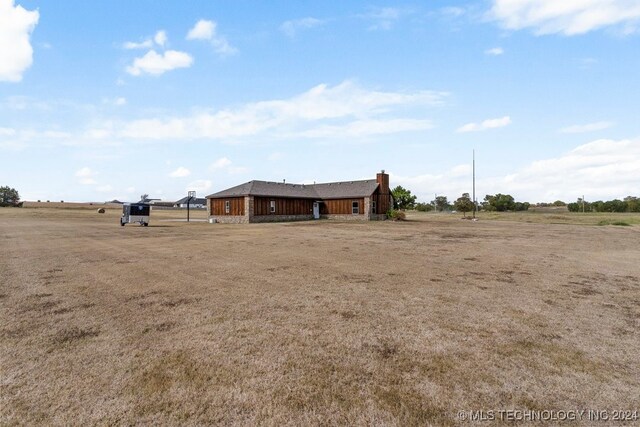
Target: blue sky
{"points": [[113, 99]]}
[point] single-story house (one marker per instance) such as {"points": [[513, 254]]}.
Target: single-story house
{"points": [[261, 201], [195, 203]]}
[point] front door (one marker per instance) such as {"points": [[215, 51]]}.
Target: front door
{"points": [[316, 210]]}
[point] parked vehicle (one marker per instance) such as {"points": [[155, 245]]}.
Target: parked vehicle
{"points": [[135, 213]]}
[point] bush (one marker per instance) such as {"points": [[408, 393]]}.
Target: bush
{"points": [[396, 215]]}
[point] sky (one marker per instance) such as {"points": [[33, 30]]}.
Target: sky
{"points": [[103, 100]]}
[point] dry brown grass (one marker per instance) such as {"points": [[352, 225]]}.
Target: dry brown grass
{"points": [[396, 323]]}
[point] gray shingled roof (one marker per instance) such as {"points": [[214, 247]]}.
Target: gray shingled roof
{"points": [[194, 201], [332, 190]]}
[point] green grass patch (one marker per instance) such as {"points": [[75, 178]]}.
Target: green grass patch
{"points": [[609, 222]]}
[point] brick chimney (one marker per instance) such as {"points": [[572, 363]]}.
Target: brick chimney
{"points": [[383, 179]]}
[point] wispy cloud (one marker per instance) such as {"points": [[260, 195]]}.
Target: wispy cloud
{"points": [[201, 186], [324, 110], [16, 52], [589, 127], [383, 18], [291, 28], [224, 164], [85, 176], [495, 51], [181, 172], [156, 64], [160, 38], [207, 30], [485, 125], [566, 17], [600, 170]]}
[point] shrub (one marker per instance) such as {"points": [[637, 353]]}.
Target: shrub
{"points": [[396, 215]]}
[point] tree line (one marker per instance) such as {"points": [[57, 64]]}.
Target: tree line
{"points": [[628, 204], [403, 199]]}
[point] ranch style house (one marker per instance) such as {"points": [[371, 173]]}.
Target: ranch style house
{"points": [[261, 201]]}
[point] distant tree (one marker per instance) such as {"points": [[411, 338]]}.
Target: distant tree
{"points": [[424, 207], [559, 203], [633, 204], [402, 198], [580, 205], [9, 196], [441, 203], [614, 206], [464, 204], [522, 206], [499, 202]]}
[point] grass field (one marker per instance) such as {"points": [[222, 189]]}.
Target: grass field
{"points": [[394, 323]]}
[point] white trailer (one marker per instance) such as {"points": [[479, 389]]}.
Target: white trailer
{"points": [[135, 213]]}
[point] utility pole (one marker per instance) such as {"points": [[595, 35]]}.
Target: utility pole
{"points": [[583, 203], [190, 195], [474, 183]]}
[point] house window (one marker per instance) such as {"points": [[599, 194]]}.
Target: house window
{"points": [[272, 206], [355, 207], [227, 206], [373, 207]]}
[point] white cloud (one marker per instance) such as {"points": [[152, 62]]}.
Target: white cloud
{"points": [[146, 44], [486, 124], [321, 111], [85, 176], [130, 190], [120, 101], [160, 38], [16, 52], [154, 63], [569, 17], [221, 163], [600, 170], [495, 51], [290, 28], [207, 30], [199, 186], [7, 132], [181, 172], [590, 127], [224, 164], [104, 189], [383, 18]]}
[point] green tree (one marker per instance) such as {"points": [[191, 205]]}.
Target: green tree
{"points": [[402, 198], [464, 204], [9, 196], [499, 202], [424, 207], [441, 203], [633, 204]]}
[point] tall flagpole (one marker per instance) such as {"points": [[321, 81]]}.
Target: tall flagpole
{"points": [[474, 183]]}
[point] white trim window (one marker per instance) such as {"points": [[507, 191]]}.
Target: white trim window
{"points": [[227, 206], [272, 206], [355, 207]]}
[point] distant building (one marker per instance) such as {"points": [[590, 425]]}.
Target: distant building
{"points": [[196, 203], [261, 201]]}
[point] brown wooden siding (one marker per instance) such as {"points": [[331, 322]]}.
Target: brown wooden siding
{"points": [[340, 206], [284, 206], [236, 205], [383, 202]]}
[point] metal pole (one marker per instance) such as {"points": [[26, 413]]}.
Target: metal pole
{"points": [[474, 183], [188, 203]]}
